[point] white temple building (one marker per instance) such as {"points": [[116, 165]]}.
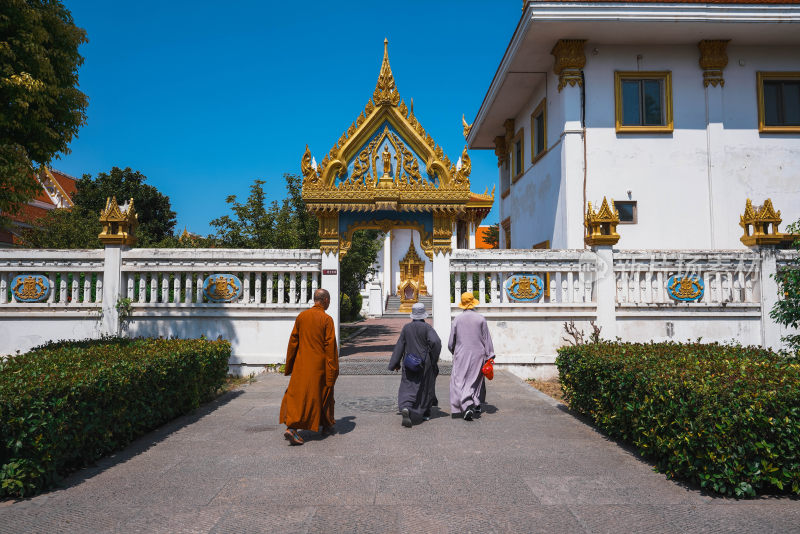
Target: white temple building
{"points": [[679, 112]]}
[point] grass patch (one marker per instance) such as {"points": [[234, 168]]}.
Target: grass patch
{"points": [[551, 387]]}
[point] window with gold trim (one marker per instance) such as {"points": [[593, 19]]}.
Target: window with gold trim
{"points": [[778, 102], [643, 101], [539, 131], [517, 156], [506, 225]]}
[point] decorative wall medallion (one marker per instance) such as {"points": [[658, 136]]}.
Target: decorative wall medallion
{"points": [[30, 288], [685, 288], [222, 288], [524, 287]]}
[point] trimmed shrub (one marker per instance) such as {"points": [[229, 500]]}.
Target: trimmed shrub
{"points": [[724, 417], [64, 405]]}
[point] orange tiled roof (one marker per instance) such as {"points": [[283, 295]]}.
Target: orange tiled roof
{"points": [[479, 233]]}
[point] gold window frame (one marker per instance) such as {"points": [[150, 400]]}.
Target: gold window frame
{"points": [[541, 109], [518, 138], [761, 77], [666, 76]]}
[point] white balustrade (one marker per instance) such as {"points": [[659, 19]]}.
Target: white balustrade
{"points": [[74, 278], [728, 277], [177, 276]]}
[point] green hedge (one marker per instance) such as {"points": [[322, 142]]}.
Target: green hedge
{"points": [[66, 404], [724, 417]]}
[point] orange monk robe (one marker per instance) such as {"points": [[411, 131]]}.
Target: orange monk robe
{"points": [[312, 361]]}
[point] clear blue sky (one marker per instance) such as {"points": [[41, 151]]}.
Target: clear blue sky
{"points": [[205, 97]]}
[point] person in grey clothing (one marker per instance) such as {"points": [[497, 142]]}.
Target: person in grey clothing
{"points": [[471, 345], [417, 391]]}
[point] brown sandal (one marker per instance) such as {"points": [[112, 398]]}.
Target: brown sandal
{"points": [[293, 437]]}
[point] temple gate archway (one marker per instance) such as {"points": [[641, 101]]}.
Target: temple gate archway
{"points": [[386, 172]]}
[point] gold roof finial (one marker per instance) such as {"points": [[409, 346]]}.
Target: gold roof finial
{"points": [[467, 127], [385, 90]]}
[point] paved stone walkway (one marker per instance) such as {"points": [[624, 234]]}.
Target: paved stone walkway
{"points": [[526, 466]]}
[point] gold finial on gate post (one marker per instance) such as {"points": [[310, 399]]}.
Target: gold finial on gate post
{"points": [[601, 225], [119, 223]]}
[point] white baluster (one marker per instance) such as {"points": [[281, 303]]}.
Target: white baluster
{"points": [[748, 288], [469, 282], [314, 285], [62, 293], [553, 287], [257, 295], [246, 287], [73, 297], [482, 288], [570, 296], [188, 294], [4, 288], [457, 288], [281, 296], [164, 288], [269, 288], [292, 288], [87, 287], [52, 296], [199, 289], [660, 288], [176, 287], [153, 287], [564, 289], [738, 294], [129, 289], [495, 296], [142, 282], [303, 288], [98, 289]]}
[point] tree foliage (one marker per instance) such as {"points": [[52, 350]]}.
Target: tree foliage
{"points": [[492, 236], [355, 267], [787, 309], [41, 107], [79, 226], [254, 224]]}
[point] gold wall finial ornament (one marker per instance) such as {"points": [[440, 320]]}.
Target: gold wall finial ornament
{"points": [[119, 223], [569, 62], [601, 225], [713, 59], [467, 127], [760, 224]]}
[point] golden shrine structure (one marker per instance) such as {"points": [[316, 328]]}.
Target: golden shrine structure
{"points": [[386, 172]]}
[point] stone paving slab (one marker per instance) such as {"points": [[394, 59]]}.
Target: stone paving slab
{"points": [[526, 466]]}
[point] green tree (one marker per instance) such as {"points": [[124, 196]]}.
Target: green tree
{"points": [[254, 224], [41, 108], [79, 226], [492, 236], [65, 228], [355, 267], [787, 309]]}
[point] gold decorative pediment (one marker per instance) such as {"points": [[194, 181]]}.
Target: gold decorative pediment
{"points": [[378, 180]]}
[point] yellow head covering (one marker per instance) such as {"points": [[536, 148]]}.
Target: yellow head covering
{"points": [[468, 301]]}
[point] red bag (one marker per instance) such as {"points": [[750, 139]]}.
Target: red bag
{"points": [[488, 369]]}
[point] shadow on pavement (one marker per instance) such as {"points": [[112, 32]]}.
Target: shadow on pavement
{"points": [[344, 425]]}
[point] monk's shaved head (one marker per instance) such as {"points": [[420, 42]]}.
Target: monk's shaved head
{"points": [[322, 295]]}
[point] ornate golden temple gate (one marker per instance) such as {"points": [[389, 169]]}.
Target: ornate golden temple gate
{"points": [[386, 172]]}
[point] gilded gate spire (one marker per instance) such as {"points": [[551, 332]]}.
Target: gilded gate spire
{"points": [[385, 90]]}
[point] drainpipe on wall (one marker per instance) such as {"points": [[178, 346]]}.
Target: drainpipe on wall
{"points": [[583, 126]]}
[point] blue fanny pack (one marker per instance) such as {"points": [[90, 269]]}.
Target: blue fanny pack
{"points": [[413, 363]]}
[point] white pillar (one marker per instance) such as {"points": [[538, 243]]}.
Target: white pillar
{"points": [[454, 236], [330, 281], [572, 167], [387, 267], [606, 292], [112, 288], [375, 299], [770, 330], [441, 300], [473, 228], [719, 230]]}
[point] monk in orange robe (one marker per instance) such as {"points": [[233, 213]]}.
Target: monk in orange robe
{"points": [[312, 361]]}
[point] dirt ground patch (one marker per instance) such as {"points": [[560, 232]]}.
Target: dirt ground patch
{"points": [[550, 387]]}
